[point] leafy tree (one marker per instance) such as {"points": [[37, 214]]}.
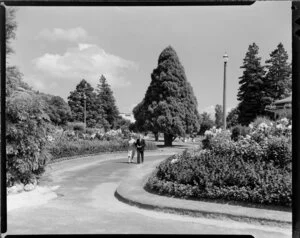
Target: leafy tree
{"points": [[278, 82], [108, 103], [251, 92], [27, 124], [58, 110], [219, 116], [26, 133], [232, 118], [123, 124], [169, 105], [94, 112], [206, 123], [14, 81], [13, 75], [11, 27]]}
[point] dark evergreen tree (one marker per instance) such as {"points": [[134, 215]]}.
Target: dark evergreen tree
{"points": [[169, 106], [232, 118], [219, 116], [94, 113], [251, 92], [107, 101], [278, 81]]}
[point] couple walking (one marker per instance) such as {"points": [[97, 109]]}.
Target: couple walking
{"points": [[136, 146]]}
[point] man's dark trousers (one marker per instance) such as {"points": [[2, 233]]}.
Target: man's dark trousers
{"points": [[140, 143], [140, 154]]}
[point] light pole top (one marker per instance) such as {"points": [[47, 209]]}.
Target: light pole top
{"points": [[225, 57]]}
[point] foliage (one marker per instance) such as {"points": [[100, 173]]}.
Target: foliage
{"points": [[232, 118], [206, 123], [255, 168], [11, 27], [169, 105], [123, 124], [27, 124], [94, 111], [26, 137], [58, 110], [278, 82], [14, 81], [203, 174], [66, 147], [107, 101], [251, 92], [76, 126], [238, 131], [218, 116]]}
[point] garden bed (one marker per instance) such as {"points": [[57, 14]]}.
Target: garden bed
{"points": [[252, 171], [72, 149]]}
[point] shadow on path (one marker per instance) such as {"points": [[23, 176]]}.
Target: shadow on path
{"points": [[123, 162]]}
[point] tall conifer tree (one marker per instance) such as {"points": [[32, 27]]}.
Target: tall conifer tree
{"points": [[278, 82], [107, 101], [76, 103], [169, 106], [251, 92]]}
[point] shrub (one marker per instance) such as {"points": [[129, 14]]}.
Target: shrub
{"points": [[26, 138], [75, 126], [279, 150], [202, 174], [239, 131], [259, 120], [205, 125], [253, 167], [64, 147]]}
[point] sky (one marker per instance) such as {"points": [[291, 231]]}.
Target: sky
{"points": [[56, 47]]}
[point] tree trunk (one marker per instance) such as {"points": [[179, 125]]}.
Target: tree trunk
{"points": [[156, 136], [168, 139]]}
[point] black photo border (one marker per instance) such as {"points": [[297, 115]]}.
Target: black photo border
{"points": [[295, 15]]}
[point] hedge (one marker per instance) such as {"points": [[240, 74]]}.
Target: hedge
{"points": [[66, 148], [202, 174]]}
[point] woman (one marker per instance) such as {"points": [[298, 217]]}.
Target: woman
{"points": [[131, 149]]}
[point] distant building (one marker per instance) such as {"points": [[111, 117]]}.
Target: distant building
{"points": [[281, 108], [128, 116]]}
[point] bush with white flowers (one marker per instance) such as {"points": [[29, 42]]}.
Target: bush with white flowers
{"points": [[254, 167]]}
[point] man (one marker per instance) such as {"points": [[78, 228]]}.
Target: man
{"points": [[140, 146]]}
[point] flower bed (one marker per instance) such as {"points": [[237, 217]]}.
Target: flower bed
{"points": [[256, 168], [66, 148]]}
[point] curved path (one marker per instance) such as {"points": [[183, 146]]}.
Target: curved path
{"points": [[82, 201]]}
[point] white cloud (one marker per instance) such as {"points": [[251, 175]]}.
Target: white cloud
{"points": [[85, 61], [73, 34]]}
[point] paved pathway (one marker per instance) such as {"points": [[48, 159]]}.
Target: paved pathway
{"points": [[85, 203]]}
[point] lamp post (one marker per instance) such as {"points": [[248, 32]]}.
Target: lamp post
{"points": [[225, 58], [84, 98]]}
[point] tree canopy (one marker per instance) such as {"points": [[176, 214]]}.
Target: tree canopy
{"points": [[106, 99], [232, 118], [251, 92], [169, 105], [206, 123], [94, 112], [278, 82]]}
